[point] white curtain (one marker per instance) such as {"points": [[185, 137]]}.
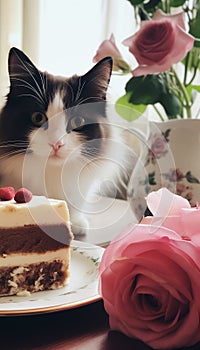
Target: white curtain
{"points": [[60, 36], [19, 27]]}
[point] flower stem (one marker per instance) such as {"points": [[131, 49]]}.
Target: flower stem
{"points": [[184, 92], [167, 6], [186, 67], [158, 112], [192, 57]]}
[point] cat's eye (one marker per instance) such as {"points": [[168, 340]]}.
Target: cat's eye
{"points": [[77, 122], [38, 118]]}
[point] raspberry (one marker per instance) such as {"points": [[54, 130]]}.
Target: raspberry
{"points": [[7, 193], [23, 196]]}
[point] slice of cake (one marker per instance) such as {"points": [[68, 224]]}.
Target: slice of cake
{"points": [[35, 242]]}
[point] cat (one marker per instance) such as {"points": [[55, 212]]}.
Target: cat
{"points": [[55, 138]]}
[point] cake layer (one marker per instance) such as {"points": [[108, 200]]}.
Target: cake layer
{"points": [[27, 273], [23, 259], [40, 210], [33, 238], [35, 242], [33, 278]]}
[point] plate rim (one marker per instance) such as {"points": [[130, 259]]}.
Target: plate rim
{"points": [[63, 306]]}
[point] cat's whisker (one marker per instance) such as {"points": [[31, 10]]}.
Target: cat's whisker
{"points": [[14, 140], [30, 70], [80, 89], [30, 87], [12, 154], [90, 152], [30, 95], [19, 147], [81, 86], [83, 100], [72, 92], [35, 93], [10, 145], [43, 79], [105, 85], [13, 143]]}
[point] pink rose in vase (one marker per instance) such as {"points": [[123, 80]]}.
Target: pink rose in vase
{"points": [[159, 43], [108, 48]]}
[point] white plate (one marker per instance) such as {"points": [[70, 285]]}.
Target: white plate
{"points": [[81, 289]]}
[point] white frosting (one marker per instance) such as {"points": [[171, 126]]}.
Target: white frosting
{"points": [[40, 210]]}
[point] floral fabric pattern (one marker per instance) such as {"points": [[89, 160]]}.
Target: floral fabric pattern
{"points": [[163, 163]]}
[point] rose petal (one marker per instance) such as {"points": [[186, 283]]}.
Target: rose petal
{"points": [[164, 203], [190, 219], [178, 18], [160, 274], [107, 48]]}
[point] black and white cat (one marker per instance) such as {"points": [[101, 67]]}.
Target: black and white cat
{"points": [[55, 138]]}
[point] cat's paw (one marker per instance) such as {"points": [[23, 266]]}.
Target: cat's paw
{"points": [[80, 225]]}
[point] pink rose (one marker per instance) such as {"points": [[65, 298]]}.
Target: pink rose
{"points": [[178, 19], [175, 213], [163, 203], [150, 278], [159, 43], [109, 48]]}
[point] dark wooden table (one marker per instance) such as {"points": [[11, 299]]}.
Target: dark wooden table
{"points": [[85, 328], [82, 328]]}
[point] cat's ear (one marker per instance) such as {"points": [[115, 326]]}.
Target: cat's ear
{"points": [[98, 77], [19, 64]]}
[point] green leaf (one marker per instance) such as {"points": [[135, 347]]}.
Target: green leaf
{"points": [[190, 88], [136, 2], [176, 3], [127, 110], [192, 60], [146, 89], [195, 87], [171, 104], [147, 4], [190, 178], [151, 5], [151, 178], [166, 134], [194, 25]]}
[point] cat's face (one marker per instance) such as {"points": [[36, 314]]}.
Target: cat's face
{"points": [[53, 117]]}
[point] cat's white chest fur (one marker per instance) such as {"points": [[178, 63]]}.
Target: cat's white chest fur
{"points": [[73, 178], [75, 181]]}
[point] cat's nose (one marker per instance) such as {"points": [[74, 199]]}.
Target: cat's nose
{"points": [[56, 145]]}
